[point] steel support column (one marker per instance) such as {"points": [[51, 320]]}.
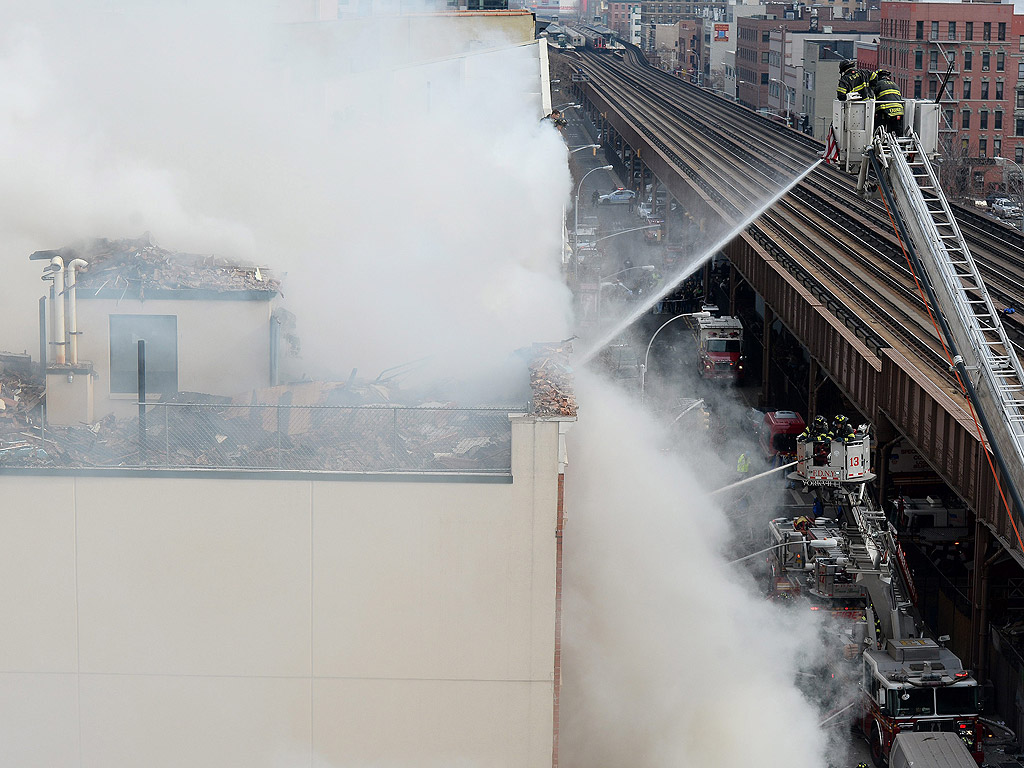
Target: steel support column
{"points": [[766, 360]]}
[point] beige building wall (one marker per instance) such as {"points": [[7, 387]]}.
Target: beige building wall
{"points": [[207, 621], [223, 346]]}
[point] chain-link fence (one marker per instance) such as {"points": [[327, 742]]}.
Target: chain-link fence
{"points": [[288, 437]]}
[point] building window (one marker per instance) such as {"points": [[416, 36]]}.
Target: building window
{"points": [[1020, 44], [964, 147], [986, 30], [967, 89], [965, 121], [920, 31], [933, 60], [952, 30], [983, 120], [997, 120], [161, 335], [764, 57], [997, 147], [766, 37], [986, 61], [764, 78], [935, 30], [983, 147], [948, 114], [1020, 70], [1001, 31], [968, 60], [917, 88], [999, 90], [1000, 61], [918, 59], [1018, 154], [932, 86], [1019, 127], [968, 30], [984, 90]]}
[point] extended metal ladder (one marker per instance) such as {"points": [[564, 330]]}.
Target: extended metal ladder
{"points": [[972, 326]]}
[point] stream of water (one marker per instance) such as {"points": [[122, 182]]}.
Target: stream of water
{"points": [[670, 285]]}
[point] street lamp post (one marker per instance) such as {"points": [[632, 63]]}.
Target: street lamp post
{"points": [[643, 368], [787, 101], [1020, 180], [574, 150], [576, 212]]}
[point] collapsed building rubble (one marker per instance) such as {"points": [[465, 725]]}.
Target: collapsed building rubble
{"points": [[350, 426], [135, 267], [21, 396], [551, 380]]}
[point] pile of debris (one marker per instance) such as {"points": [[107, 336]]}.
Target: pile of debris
{"points": [[289, 427], [132, 267], [551, 380], [21, 393]]}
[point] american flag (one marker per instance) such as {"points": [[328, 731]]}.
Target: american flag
{"points": [[831, 153]]}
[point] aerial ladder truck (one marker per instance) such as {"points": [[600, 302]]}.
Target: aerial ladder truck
{"points": [[909, 681], [849, 563], [980, 354]]}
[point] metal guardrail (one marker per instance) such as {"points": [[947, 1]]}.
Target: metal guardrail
{"points": [[285, 437], [328, 438]]}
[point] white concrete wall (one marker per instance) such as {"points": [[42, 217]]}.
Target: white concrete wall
{"points": [[215, 622], [223, 346]]}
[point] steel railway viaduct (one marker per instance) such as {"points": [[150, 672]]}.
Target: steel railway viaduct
{"points": [[882, 354]]}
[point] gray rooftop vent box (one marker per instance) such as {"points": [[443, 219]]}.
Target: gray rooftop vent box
{"points": [[913, 649]]}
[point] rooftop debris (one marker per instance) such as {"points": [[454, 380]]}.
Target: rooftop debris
{"points": [[287, 427], [551, 380], [327, 426], [21, 393], [131, 267]]}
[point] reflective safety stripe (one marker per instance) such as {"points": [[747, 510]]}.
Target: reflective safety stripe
{"points": [[888, 92]]}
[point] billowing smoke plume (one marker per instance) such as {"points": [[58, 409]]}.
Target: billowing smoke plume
{"points": [[671, 657], [416, 209]]}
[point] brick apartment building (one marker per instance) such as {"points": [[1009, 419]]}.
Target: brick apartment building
{"points": [[981, 44], [769, 55]]}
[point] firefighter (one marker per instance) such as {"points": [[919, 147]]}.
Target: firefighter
{"points": [[742, 466], [888, 102], [843, 429], [818, 508], [853, 84]]}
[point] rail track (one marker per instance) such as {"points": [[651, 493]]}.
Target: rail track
{"points": [[839, 245]]}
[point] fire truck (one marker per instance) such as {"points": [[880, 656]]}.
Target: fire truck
{"points": [[851, 564], [720, 348]]}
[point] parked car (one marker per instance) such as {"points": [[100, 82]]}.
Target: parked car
{"points": [[617, 196], [1006, 209]]}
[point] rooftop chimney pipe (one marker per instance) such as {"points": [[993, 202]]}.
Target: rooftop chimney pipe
{"points": [[73, 307], [57, 332]]}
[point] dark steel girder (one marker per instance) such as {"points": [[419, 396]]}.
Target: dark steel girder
{"points": [[879, 380]]}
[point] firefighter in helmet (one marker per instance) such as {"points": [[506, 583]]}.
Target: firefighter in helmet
{"points": [[853, 84], [888, 102]]}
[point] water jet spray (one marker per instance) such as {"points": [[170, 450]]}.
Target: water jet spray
{"points": [[670, 285]]}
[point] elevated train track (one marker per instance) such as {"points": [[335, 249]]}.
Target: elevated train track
{"points": [[826, 261]]}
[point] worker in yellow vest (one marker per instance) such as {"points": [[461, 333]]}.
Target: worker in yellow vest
{"points": [[742, 466]]}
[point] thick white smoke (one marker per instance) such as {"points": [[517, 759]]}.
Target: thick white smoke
{"points": [[671, 657], [412, 220], [415, 209]]}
